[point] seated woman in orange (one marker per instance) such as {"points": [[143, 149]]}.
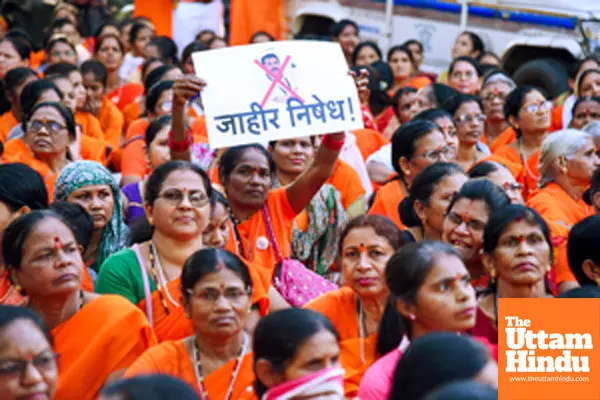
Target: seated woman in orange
{"points": [[528, 112], [16, 52], [466, 217], [22, 191], [136, 110], [415, 145], [158, 103], [432, 191], [315, 234], [29, 367], [499, 175], [45, 261], [356, 310], [467, 112], [567, 161], [58, 73], [216, 357], [403, 66], [517, 253], [296, 354], [49, 130], [109, 51], [16, 80], [497, 132], [176, 201], [111, 119]]}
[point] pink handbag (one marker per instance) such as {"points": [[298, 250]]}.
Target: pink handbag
{"points": [[296, 283]]}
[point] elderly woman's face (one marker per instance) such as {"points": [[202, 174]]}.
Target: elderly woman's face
{"points": [[363, 258], [98, 200], [51, 264], [46, 132], [28, 368]]}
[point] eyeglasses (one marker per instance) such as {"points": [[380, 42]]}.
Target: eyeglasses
{"points": [[43, 362], [472, 224], [436, 155], [512, 186], [467, 119], [495, 95], [175, 197], [68, 53], [51, 127], [166, 106], [232, 295], [534, 108]]}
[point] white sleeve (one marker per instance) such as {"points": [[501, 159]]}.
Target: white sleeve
{"points": [[383, 156]]}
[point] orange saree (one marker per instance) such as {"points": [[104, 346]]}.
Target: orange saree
{"points": [[531, 173], [356, 353], [106, 335], [173, 358], [509, 135], [111, 122], [387, 199]]}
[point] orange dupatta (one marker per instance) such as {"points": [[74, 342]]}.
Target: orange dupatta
{"points": [[106, 335], [356, 353], [172, 358]]}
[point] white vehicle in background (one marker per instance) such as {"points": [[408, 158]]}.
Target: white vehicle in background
{"points": [[536, 39]]}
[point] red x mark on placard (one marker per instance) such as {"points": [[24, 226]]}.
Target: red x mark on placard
{"points": [[277, 80]]}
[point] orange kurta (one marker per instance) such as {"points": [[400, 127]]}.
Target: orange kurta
{"points": [[134, 158], [7, 123], [339, 306], [508, 136], [249, 17], [369, 141], [111, 122], [126, 95], [130, 113], [386, 201], [90, 126], [255, 241], [346, 180], [160, 12], [559, 210], [172, 358], [531, 174], [108, 329]]}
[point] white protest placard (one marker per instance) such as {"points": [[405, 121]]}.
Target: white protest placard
{"points": [[276, 90]]}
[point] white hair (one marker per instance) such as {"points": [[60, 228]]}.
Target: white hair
{"points": [[593, 129], [499, 76], [566, 142]]}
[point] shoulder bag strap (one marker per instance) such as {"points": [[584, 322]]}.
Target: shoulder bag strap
{"points": [[272, 239]]}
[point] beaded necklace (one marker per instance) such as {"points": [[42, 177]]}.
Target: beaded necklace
{"points": [[234, 374]]}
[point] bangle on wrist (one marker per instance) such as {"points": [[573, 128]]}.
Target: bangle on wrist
{"points": [[332, 144], [181, 146]]}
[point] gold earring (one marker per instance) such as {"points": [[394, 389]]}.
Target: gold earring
{"points": [[597, 280], [492, 275], [20, 289], [548, 269]]}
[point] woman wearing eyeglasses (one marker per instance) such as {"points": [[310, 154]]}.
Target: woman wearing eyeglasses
{"points": [[496, 87], [28, 368], [528, 112], [415, 145], [465, 220], [567, 162], [464, 75], [216, 357], [49, 130], [176, 201], [97, 337], [469, 119]]}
